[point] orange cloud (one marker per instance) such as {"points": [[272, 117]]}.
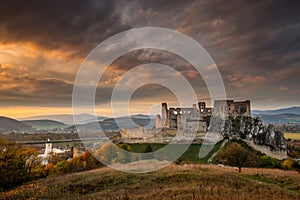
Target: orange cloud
{"points": [[20, 112]]}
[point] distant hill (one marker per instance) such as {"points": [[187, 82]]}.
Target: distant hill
{"points": [[291, 110], [66, 118], [132, 121], [9, 124], [279, 116], [45, 124]]}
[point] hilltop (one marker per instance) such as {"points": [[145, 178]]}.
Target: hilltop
{"points": [[45, 124], [291, 110], [173, 182], [67, 118], [279, 116], [9, 124], [132, 121]]}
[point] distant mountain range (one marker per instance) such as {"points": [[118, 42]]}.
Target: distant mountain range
{"points": [[87, 122], [132, 121], [291, 110], [9, 124], [45, 124], [279, 116], [67, 118]]}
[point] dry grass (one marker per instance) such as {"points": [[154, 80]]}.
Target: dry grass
{"points": [[174, 182], [228, 169]]}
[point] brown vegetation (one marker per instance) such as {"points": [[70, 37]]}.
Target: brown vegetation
{"points": [[173, 182], [16, 164]]}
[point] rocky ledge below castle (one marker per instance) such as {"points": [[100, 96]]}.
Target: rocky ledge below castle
{"points": [[253, 131]]}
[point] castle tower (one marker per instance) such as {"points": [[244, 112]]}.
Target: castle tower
{"points": [[248, 108], [242, 108], [194, 106], [164, 115], [158, 122]]}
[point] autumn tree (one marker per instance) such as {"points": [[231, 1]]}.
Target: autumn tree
{"points": [[288, 164], [111, 153], [235, 155], [15, 164]]}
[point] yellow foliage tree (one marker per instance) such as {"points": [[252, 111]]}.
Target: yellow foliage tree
{"points": [[288, 164], [16, 164]]}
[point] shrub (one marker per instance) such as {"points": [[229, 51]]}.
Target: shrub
{"points": [[269, 162], [288, 164]]}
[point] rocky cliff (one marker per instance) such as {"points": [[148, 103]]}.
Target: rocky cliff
{"points": [[251, 129]]}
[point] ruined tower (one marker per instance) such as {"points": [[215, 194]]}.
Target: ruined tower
{"points": [[158, 122], [164, 115], [202, 106], [242, 108], [204, 111], [231, 108]]}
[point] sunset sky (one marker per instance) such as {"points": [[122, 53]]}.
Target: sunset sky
{"points": [[255, 45]]}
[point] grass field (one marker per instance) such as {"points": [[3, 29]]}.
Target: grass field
{"points": [[190, 155], [293, 136], [174, 182]]}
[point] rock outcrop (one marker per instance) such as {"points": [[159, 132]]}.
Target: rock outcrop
{"points": [[250, 129]]}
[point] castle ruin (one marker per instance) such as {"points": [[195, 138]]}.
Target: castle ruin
{"points": [[193, 118], [186, 119], [231, 108]]}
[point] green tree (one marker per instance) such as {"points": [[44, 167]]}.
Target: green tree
{"points": [[267, 161], [147, 152]]}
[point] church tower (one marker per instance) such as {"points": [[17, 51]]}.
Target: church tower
{"points": [[48, 147]]}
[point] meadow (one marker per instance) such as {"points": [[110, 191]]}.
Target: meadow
{"points": [[189, 156], [193, 181]]}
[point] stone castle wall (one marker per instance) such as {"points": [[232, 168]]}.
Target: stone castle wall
{"points": [[266, 150]]}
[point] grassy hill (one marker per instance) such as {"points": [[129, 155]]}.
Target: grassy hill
{"points": [[117, 123], [45, 124], [280, 118], [191, 155], [9, 124], [172, 182], [67, 118]]}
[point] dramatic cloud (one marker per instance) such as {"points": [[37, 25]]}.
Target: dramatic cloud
{"points": [[255, 44]]}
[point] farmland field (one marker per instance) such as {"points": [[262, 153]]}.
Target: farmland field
{"points": [[293, 136]]}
